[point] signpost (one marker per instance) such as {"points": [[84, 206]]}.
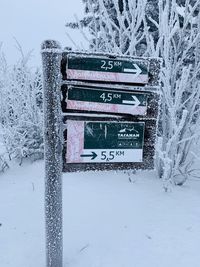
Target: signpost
{"points": [[87, 99], [123, 141], [98, 68]]}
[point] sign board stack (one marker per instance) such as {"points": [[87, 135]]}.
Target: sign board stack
{"points": [[110, 108], [106, 108]]}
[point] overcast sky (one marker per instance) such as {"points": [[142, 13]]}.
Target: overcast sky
{"points": [[32, 21]]}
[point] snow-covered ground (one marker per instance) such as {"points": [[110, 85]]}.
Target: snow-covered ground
{"points": [[108, 220]]}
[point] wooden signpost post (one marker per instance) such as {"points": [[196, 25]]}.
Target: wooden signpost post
{"points": [[109, 108], [51, 57]]}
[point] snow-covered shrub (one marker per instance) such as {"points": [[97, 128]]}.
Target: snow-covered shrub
{"points": [[169, 29], [21, 109]]}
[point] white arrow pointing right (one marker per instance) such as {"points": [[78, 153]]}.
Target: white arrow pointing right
{"points": [[136, 71], [135, 102]]}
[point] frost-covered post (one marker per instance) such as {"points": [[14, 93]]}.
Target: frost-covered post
{"points": [[51, 57]]}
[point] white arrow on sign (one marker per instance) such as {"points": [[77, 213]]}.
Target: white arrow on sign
{"points": [[136, 71], [135, 102]]}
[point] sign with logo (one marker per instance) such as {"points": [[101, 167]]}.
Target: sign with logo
{"points": [[104, 142], [102, 100], [83, 67]]}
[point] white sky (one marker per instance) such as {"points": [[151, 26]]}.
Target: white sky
{"points": [[32, 21]]}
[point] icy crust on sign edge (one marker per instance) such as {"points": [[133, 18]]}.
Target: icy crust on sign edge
{"points": [[109, 55], [129, 88]]}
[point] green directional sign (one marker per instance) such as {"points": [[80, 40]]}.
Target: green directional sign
{"points": [[107, 65], [105, 142], [105, 96], [82, 67], [83, 98]]}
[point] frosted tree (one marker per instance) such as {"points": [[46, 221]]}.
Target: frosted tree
{"points": [[115, 26], [178, 43], [169, 29]]}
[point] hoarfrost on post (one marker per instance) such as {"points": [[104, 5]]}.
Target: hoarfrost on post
{"points": [[51, 54]]}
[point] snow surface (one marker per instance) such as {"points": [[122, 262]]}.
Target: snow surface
{"points": [[108, 220]]}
